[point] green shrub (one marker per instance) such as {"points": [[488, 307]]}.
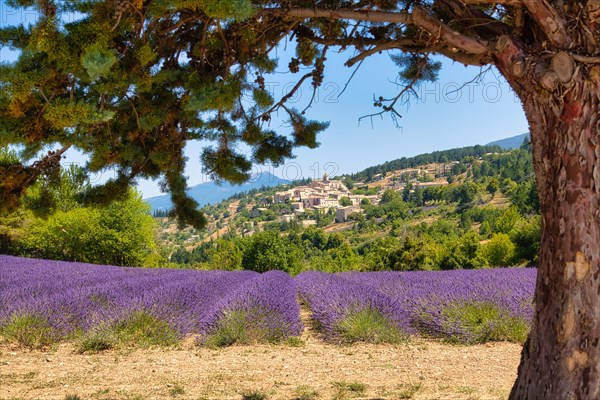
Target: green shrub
{"points": [[368, 325], [119, 234], [499, 251], [29, 330], [143, 329], [97, 340], [236, 327], [231, 329], [269, 250], [482, 322]]}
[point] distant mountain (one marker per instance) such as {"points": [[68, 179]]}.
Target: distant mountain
{"points": [[513, 142], [211, 193]]}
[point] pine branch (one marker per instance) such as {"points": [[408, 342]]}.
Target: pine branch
{"points": [[418, 17], [371, 16], [442, 31]]}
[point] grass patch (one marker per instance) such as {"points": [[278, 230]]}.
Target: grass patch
{"points": [[100, 392], [406, 391], [143, 330], [368, 325], [237, 327], [176, 390], [29, 330], [140, 329], [294, 341], [96, 340], [231, 329], [345, 388], [305, 392], [466, 389], [72, 397], [125, 395], [482, 322], [30, 375], [254, 395]]}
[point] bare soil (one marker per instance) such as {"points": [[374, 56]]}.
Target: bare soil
{"points": [[418, 369]]}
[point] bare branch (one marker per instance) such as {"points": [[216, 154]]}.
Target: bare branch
{"points": [[382, 47], [553, 25], [283, 35], [351, 77], [317, 76], [409, 87], [285, 98], [38, 168], [477, 79]]}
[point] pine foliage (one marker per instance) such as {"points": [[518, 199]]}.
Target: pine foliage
{"points": [[129, 83]]}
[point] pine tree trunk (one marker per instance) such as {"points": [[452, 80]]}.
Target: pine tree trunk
{"points": [[561, 358]]}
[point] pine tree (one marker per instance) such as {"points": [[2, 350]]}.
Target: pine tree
{"points": [[114, 85], [129, 82]]}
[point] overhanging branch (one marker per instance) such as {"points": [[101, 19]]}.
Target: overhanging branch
{"points": [[396, 44], [418, 17], [444, 32], [371, 16]]}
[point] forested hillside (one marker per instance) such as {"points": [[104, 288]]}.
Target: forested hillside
{"points": [[442, 156], [473, 207]]}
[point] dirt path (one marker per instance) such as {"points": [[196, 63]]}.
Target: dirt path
{"points": [[421, 369]]}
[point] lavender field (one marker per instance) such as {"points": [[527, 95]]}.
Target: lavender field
{"points": [[462, 305], [45, 301], [42, 302]]}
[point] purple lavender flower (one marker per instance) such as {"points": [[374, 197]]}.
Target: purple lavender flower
{"points": [[78, 297], [438, 303]]}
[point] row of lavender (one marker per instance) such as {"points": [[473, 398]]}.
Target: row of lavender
{"points": [[465, 305], [70, 299], [74, 298]]}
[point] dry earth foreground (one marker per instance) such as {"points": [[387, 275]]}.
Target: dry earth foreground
{"points": [[418, 369]]}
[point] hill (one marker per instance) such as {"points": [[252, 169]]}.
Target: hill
{"points": [[462, 208], [513, 142], [436, 157], [212, 193]]}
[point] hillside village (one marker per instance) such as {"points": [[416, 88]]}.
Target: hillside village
{"points": [[324, 194], [328, 203]]}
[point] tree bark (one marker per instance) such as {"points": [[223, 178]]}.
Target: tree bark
{"points": [[560, 358]]}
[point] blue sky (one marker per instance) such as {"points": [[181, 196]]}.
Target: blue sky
{"points": [[441, 118]]}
